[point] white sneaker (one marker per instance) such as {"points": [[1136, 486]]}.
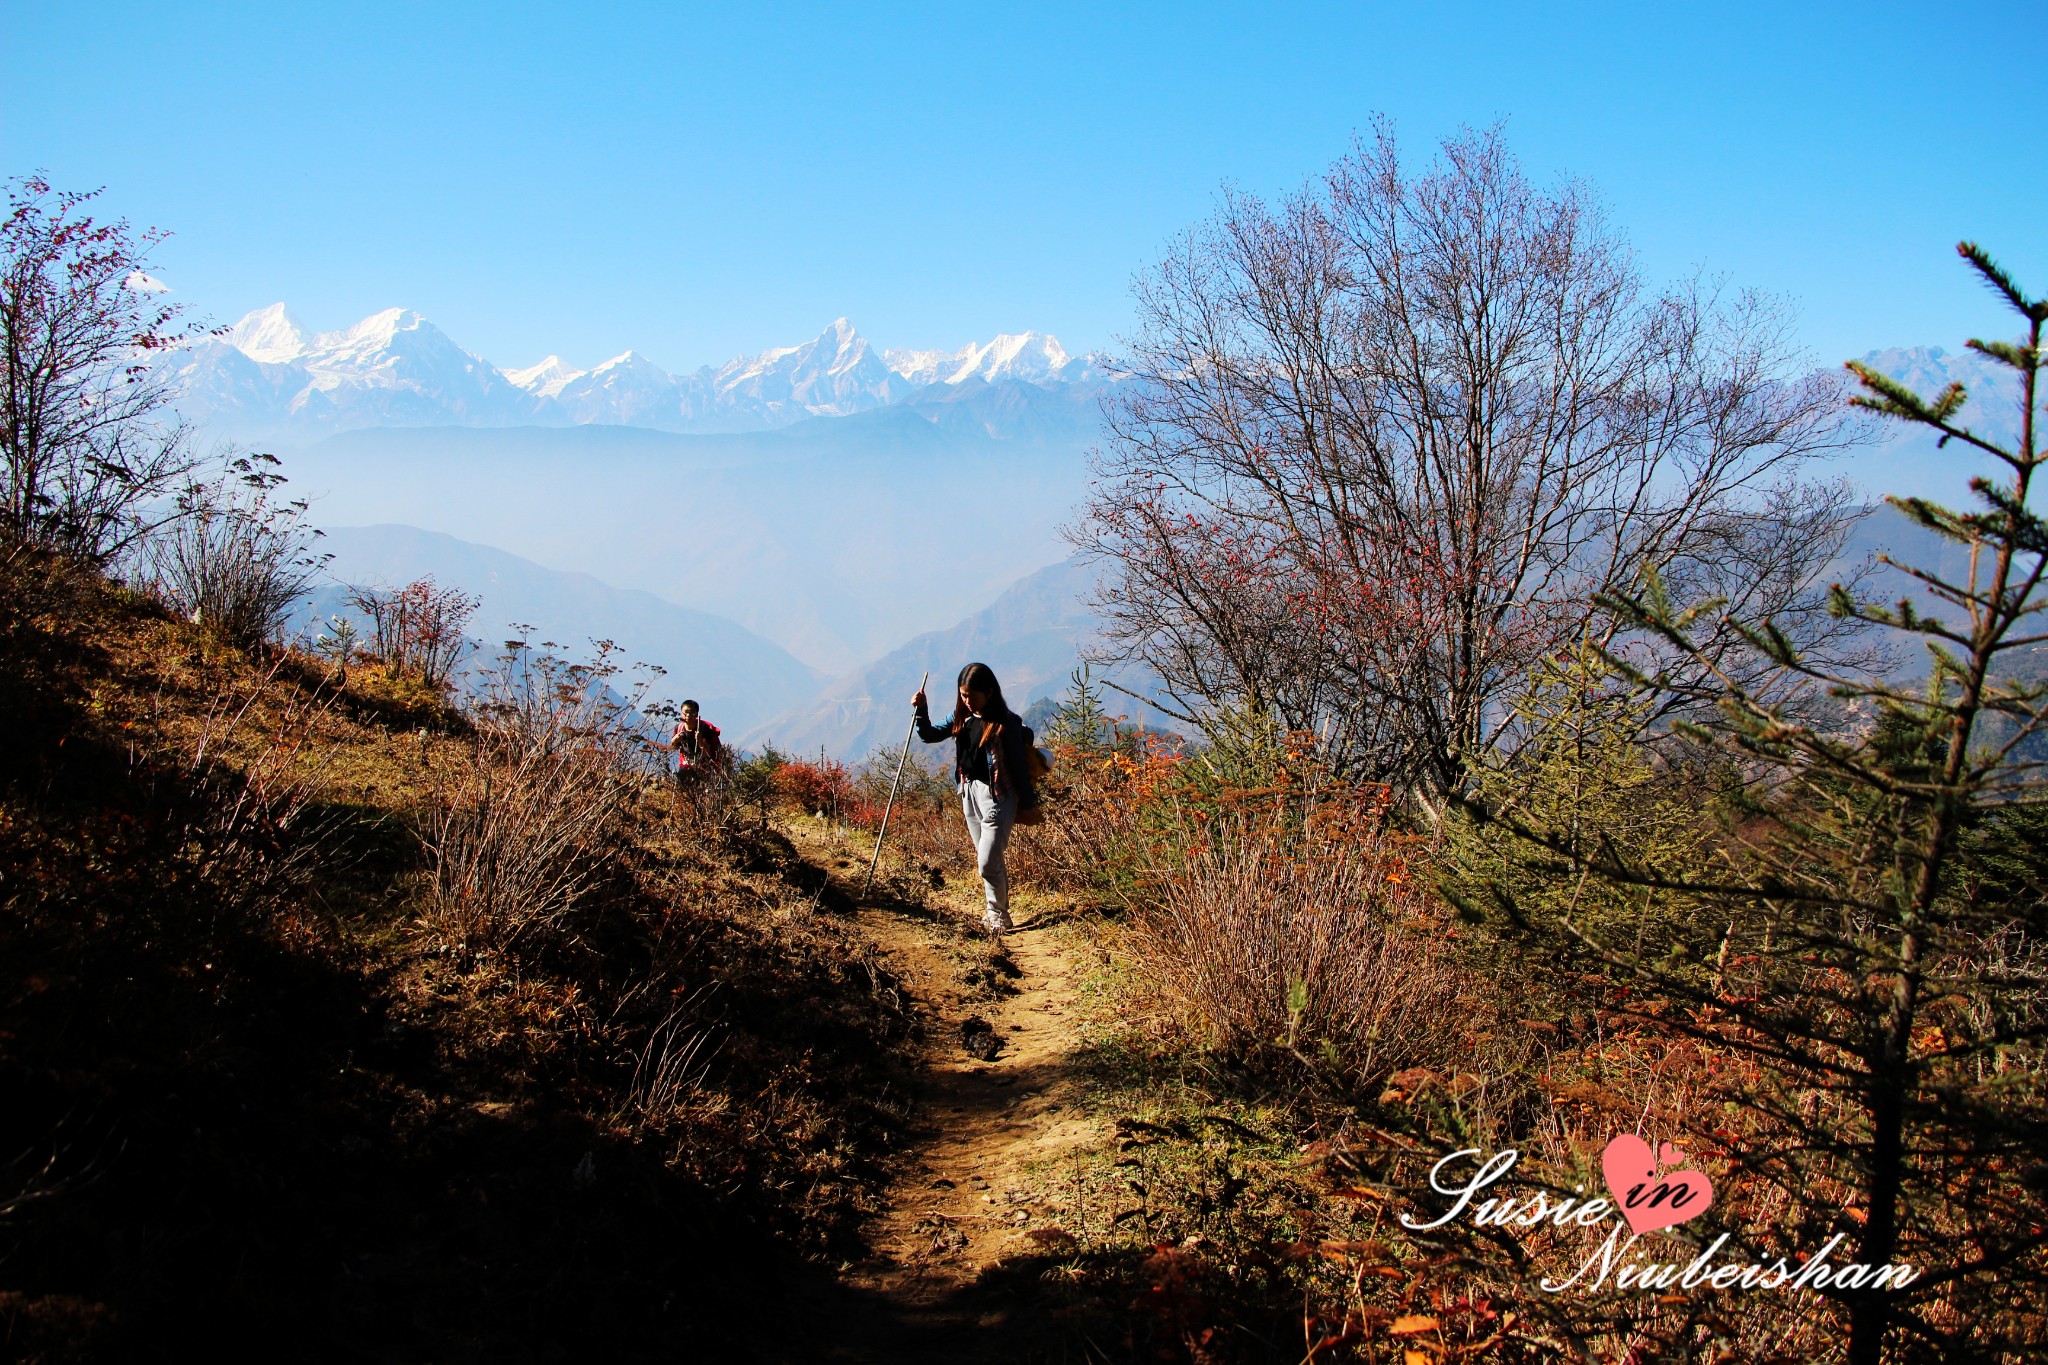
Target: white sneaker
{"points": [[996, 921]]}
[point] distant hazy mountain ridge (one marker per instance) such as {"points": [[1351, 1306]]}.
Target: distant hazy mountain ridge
{"points": [[1904, 458], [1034, 635], [740, 678], [268, 375]]}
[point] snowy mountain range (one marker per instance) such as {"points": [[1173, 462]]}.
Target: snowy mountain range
{"points": [[268, 376]]}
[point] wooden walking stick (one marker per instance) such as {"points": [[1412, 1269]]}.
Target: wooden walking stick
{"points": [[876, 861]]}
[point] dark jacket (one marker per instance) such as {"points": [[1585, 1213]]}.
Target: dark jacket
{"points": [[990, 750]]}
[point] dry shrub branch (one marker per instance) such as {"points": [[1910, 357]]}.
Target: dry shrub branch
{"points": [[1265, 949], [520, 836], [258, 782], [418, 630], [87, 439], [237, 555]]}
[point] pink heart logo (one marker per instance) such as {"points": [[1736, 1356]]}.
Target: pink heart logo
{"points": [[1650, 1201]]}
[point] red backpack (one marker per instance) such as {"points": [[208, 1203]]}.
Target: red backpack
{"points": [[708, 750]]}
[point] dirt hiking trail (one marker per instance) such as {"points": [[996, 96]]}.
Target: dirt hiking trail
{"points": [[956, 1257]]}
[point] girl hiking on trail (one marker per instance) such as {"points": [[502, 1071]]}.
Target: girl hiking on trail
{"points": [[991, 765]]}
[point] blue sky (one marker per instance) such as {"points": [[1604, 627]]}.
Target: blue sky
{"points": [[694, 182]]}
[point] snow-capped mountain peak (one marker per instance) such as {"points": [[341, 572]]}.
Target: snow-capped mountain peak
{"points": [[848, 346], [832, 374], [624, 360], [1019, 355], [629, 389], [271, 335], [1033, 357], [380, 332], [546, 379]]}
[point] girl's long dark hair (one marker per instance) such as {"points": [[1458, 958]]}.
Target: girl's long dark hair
{"points": [[981, 678]]}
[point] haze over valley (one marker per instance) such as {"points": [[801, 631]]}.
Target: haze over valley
{"points": [[793, 535]]}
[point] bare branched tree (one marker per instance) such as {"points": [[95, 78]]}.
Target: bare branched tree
{"points": [[84, 441], [1385, 441]]}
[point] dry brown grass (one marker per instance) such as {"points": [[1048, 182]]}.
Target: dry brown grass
{"points": [[1327, 958], [532, 826], [1282, 1201], [1094, 802], [237, 1045], [519, 837], [1282, 984]]}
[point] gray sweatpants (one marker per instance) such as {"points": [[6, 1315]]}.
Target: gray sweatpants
{"points": [[989, 818]]}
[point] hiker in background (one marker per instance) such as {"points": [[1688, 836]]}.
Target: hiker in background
{"points": [[698, 752], [992, 769]]}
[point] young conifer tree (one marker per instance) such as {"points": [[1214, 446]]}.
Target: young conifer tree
{"points": [[1877, 897]]}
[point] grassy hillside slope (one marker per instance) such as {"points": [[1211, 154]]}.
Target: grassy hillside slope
{"points": [[254, 1098]]}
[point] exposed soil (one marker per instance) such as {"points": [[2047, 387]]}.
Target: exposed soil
{"points": [[962, 1261]]}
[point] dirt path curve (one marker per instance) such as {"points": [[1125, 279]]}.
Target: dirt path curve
{"points": [[961, 1202]]}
